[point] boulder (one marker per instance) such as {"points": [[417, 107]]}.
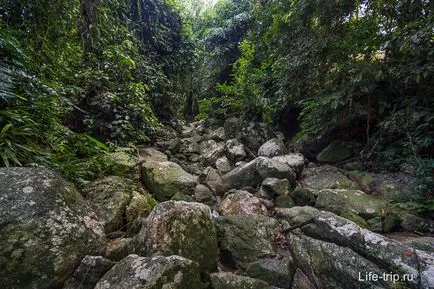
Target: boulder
{"points": [[284, 201], [223, 165], [326, 177], [141, 205], [157, 272], [295, 160], [226, 280], [276, 187], [164, 179], [108, 197], [44, 223], [273, 147], [203, 194], [235, 150], [277, 272], [351, 204], [242, 203], [335, 152], [303, 196], [122, 160], [190, 145], [232, 127], [413, 223], [118, 249], [252, 173], [343, 235], [151, 154], [254, 134], [301, 281], [218, 134], [211, 151], [247, 239], [211, 178], [88, 273], [181, 228]]}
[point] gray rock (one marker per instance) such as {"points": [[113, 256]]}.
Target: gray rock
{"points": [[88, 273], [284, 201], [276, 187], [164, 179], [303, 197], [381, 251], [269, 168], [204, 195], [211, 151], [273, 147], [246, 240], [140, 206], [235, 150], [254, 134], [157, 272], [211, 178], [225, 280], [351, 204], [413, 223], [301, 281], [118, 249], [223, 165], [277, 272], [108, 198], [181, 228], [44, 223], [335, 152], [242, 203], [295, 160], [151, 154], [218, 134], [327, 177]]}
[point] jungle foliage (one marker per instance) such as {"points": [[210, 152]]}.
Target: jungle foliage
{"points": [[355, 69], [76, 76]]}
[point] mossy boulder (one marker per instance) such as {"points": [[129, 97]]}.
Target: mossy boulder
{"points": [[247, 239], [164, 179], [108, 198], [277, 271], [44, 224], [326, 177], [273, 147], [88, 273], [335, 152], [226, 280], [157, 272], [182, 228], [303, 196], [284, 201], [141, 205], [349, 203], [241, 203]]}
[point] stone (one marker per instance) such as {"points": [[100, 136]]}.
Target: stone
{"points": [[108, 197], [421, 243], [254, 134], [211, 178], [247, 239], [122, 160], [226, 280], [156, 272], [88, 273], [218, 134], [335, 152], [181, 197], [223, 165], [277, 272], [235, 150], [295, 160], [164, 179], [44, 223], [151, 154], [242, 203], [276, 187], [190, 145], [303, 197], [211, 151], [273, 147], [413, 223], [345, 203], [204, 195], [301, 281], [118, 249], [182, 228], [284, 201], [326, 177], [232, 127], [269, 168], [141, 205], [342, 235]]}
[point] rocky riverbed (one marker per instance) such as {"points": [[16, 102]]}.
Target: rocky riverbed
{"points": [[214, 207]]}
